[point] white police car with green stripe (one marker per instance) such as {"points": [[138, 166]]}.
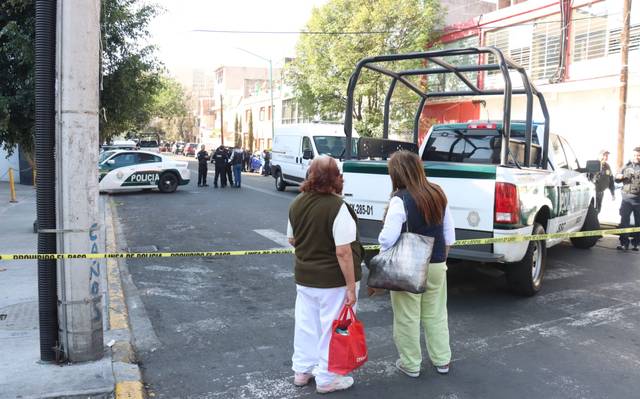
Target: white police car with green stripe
{"points": [[140, 170]]}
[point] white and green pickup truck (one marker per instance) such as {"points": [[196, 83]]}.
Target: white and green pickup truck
{"points": [[532, 185], [487, 199]]}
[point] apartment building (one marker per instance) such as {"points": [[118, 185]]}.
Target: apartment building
{"points": [[581, 85]]}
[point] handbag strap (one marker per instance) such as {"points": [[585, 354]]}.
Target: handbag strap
{"points": [[406, 212], [347, 313]]}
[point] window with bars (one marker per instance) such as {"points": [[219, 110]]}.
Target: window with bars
{"points": [[589, 27], [534, 45], [597, 29], [614, 39]]}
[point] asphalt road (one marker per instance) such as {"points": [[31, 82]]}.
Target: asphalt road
{"points": [[223, 327]]}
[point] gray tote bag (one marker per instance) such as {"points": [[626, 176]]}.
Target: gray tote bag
{"points": [[404, 266]]}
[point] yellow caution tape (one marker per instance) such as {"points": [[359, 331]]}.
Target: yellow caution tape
{"points": [[141, 255]]}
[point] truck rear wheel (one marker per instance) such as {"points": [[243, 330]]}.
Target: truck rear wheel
{"points": [[525, 277], [590, 223]]}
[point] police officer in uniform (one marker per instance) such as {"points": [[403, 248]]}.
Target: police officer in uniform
{"points": [[227, 168], [630, 178], [203, 157], [220, 157], [603, 180]]}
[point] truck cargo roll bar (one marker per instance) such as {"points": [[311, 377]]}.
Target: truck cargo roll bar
{"points": [[504, 65]]}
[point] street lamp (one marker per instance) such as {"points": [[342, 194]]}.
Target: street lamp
{"points": [[273, 110]]}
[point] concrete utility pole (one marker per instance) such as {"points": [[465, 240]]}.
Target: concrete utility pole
{"points": [[79, 227], [624, 80]]}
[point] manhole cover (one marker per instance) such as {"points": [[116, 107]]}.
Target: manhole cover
{"points": [[144, 248], [21, 316]]}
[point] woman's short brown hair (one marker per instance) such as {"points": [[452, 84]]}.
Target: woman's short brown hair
{"points": [[324, 177]]}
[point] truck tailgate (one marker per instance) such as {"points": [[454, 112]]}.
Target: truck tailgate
{"points": [[470, 189]]}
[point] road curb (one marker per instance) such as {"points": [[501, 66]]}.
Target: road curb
{"points": [[126, 371]]}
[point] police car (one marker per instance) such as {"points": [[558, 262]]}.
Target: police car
{"points": [[139, 170]]}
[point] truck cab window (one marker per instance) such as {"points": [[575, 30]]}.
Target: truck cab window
{"points": [[559, 159]]}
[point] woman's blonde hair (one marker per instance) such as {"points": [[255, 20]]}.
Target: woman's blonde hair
{"points": [[407, 173]]}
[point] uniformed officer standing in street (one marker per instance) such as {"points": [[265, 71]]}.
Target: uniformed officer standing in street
{"points": [[220, 158], [630, 178], [203, 157], [603, 180], [227, 169]]}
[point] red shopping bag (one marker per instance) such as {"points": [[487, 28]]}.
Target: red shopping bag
{"points": [[348, 346]]}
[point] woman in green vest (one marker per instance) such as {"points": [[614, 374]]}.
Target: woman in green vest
{"points": [[322, 228], [423, 206]]}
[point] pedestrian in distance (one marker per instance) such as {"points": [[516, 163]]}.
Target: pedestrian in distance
{"points": [[220, 158], [629, 176], [322, 229], [246, 161], [266, 169], [203, 157], [420, 206], [604, 180], [228, 169], [237, 157]]}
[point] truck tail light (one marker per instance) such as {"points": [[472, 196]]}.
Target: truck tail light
{"points": [[482, 126], [507, 206]]}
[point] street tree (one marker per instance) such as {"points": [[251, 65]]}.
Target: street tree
{"points": [[170, 110], [236, 130], [130, 72], [17, 81], [323, 64], [250, 132]]}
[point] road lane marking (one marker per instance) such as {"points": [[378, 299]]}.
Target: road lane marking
{"points": [[274, 236], [268, 192]]}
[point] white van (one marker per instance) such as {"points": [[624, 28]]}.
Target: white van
{"points": [[294, 146]]}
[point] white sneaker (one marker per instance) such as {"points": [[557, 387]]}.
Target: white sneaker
{"points": [[340, 383], [412, 374], [301, 379], [443, 369]]}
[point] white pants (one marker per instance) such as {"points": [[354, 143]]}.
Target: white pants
{"points": [[316, 309]]}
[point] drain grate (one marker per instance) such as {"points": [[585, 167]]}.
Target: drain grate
{"points": [[21, 316], [144, 248]]}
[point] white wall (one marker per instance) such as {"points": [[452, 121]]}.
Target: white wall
{"points": [[11, 162]]}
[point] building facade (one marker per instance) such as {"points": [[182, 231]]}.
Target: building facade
{"points": [[581, 85]]}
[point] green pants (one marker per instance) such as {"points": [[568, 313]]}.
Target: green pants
{"points": [[430, 308]]}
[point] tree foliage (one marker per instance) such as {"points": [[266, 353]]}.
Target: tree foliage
{"points": [[250, 122], [131, 75], [236, 131], [170, 108], [324, 63], [17, 80]]}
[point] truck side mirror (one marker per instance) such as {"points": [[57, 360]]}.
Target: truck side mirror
{"points": [[111, 162], [307, 154], [592, 167]]}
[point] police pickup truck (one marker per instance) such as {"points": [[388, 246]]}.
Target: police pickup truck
{"points": [[532, 185]]}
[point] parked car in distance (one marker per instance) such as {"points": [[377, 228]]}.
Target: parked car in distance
{"points": [[178, 147], [149, 144], [190, 149]]}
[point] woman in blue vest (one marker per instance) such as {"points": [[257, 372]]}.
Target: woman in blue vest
{"points": [[423, 205]]}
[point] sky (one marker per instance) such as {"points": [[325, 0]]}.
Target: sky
{"points": [[181, 49]]}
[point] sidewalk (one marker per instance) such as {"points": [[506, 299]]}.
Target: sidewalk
{"points": [[21, 373]]}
